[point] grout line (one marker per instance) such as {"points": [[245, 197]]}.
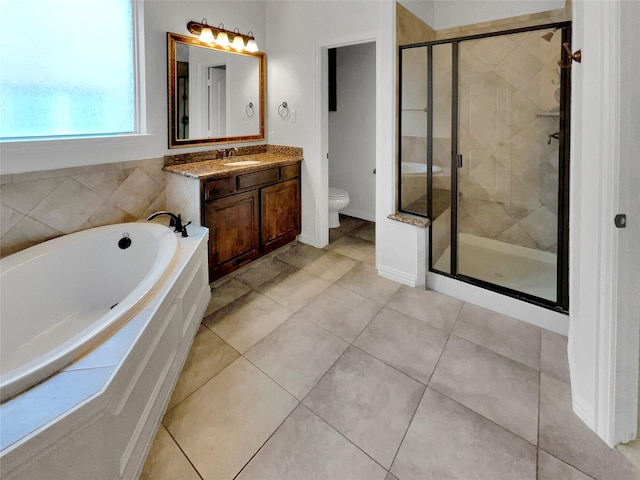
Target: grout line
{"points": [[421, 398], [267, 440], [481, 415], [181, 450]]}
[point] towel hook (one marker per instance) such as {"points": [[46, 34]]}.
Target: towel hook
{"points": [[249, 110], [283, 110]]}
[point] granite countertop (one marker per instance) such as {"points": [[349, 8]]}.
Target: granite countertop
{"points": [[208, 169]]}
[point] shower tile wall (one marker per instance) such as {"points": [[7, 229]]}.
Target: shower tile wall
{"points": [[509, 103], [38, 206]]}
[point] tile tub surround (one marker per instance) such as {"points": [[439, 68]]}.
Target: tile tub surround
{"points": [[39, 206], [364, 385]]}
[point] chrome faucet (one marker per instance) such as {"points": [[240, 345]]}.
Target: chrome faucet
{"points": [[232, 152], [176, 221]]}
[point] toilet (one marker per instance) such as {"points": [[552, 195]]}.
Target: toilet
{"points": [[338, 200]]}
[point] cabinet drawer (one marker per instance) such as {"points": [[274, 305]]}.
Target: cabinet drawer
{"points": [[256, 179], [219, 188], [289, 172]]}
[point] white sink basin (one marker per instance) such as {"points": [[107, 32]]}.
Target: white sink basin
{"points": [[242, 163]]}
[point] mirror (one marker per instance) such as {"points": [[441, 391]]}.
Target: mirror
{"points": [[216, 95]]}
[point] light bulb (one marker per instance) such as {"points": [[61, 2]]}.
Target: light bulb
{"points": [[206, 35], [222, 39], [252, 46], [238, 43]]}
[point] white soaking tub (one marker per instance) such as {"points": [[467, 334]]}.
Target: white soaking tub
{"points": [[60, 298], [101, 333]]}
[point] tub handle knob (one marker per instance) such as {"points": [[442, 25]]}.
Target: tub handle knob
{"points": [[184, 229]]}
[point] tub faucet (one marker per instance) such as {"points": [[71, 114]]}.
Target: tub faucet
{"points": [[176, 221]]}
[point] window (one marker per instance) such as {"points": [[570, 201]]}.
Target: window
{"points": [[66, 68]]}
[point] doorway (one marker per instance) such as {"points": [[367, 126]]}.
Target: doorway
{"points": [[352, 130]]}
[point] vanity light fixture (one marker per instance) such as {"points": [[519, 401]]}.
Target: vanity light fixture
{"points": [[222, 37]]}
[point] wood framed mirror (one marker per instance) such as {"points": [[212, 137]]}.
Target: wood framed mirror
{"points": [[215, 94]]}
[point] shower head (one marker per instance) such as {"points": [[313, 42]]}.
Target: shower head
{"points": [[549, 35]]}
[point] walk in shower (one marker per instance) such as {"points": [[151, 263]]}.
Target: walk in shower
{"points": [[484, 153]]}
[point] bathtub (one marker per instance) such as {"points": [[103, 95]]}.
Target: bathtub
{"points": [[412, 168], [61, 298], [95, 329]]}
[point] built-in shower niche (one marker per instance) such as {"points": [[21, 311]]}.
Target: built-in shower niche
{"points": [[494, 100]]}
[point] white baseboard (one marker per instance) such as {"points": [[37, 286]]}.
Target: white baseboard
{"points": [[370, 216], [527, 312], [309, 240], [397, 276]]}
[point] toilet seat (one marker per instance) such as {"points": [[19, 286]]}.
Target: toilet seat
{"points": [[337, 193]]}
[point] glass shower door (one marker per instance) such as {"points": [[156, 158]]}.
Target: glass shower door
{"points": [[508, 175]]}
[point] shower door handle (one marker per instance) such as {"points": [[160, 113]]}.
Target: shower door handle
{"points": [[459, 160]]}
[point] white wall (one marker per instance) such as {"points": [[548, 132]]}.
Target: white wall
{"points": [[440, 14], [628, 302], [352, 129], [160, 17], [603, 335], [295, 76]]}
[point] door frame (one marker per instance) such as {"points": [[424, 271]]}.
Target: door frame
{"points": [[322, 130]]}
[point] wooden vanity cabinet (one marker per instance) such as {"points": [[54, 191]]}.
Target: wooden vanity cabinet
{"points": [[233, 224], [249, 215]]}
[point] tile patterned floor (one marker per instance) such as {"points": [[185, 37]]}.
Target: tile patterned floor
{"points": [[310, 366]]}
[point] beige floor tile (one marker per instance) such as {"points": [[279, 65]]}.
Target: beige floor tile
{"points": [[371, 259], [348, 224], [223, 424], [553, 356], [631, 452], [166, 461], [342, 312], [565, 436], [446, 440], [335, 234], [330, 266], [505, 335], [429, 306], [294, 290], [366, 232], [367, 401], [353, 247], [222, 294], [550, 468], [306, 448], [411, 346], [208, 356], [490, 384], [364, 280], [244, 323], [299, 254], [296, 355], [262, 271]]}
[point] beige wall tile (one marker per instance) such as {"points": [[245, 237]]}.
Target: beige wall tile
{"points": [[65, 200], [68, 206]]}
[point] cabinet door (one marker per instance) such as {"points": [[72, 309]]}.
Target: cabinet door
{"points": [[233, 232], [280, 214]]}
